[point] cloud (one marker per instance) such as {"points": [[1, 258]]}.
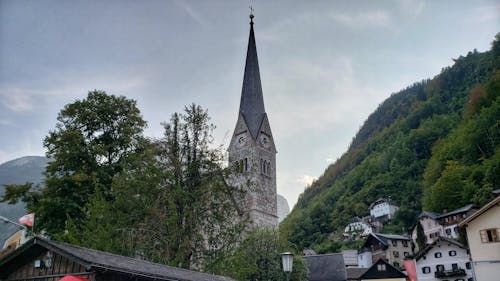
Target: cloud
{"points": [[364, 19], [17, 100], [307, 180], [192, 13]]}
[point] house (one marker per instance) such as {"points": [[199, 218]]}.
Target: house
{"points": [[390, 247], [328, 267], [43, 259], [483, 236], [436, 225], [382, 270], [357, 229], [383, 209], [450, 220], [431, 226], [444, 259]]}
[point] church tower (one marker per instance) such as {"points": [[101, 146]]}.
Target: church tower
{"points": [[252, 151]]}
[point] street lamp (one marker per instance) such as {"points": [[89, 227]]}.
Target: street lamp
{"points": [[287, 260]]}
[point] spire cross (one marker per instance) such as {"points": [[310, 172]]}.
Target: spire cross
{"points": [[251, 14]]}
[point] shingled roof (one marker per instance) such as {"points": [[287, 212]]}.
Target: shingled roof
{"points": [[328, 267], [102, 261], [252, 100]]}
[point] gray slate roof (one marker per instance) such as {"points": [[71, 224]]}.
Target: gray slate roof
{"points": [[99, 260], [384, 237], [252, 100], [328, 267], [354, 273]]}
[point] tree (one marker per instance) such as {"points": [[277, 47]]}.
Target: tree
{"points": [[92, 142], [258, 257], [421, 238], [171, 203]]}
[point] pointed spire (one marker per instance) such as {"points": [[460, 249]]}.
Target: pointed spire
{"points": [[252, 101]]}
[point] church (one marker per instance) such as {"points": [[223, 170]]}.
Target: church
{"points": [[252, 151]]}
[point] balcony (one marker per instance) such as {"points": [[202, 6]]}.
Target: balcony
{"points": [[450, 273]]}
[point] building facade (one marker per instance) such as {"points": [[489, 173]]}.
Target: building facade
{"points": [[389, 247], [483, 236], [383, 208], [252, 152], [444, 259]]}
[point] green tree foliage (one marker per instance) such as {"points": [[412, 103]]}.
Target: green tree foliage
{"points": [[91, 143], [171, 204], [421, 237], [404, 150], [258, 257]]}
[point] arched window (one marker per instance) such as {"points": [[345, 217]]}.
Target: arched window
{"points": [[246, 164], [268, 168]]}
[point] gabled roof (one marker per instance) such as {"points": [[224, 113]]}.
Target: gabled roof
{"points": [[389, 272], [389, 201], [328, 267], [464, 209], [479, 212], [382, 238], [431, 215], [252, 100], [98, 261], [440, 239], [391, 237]]}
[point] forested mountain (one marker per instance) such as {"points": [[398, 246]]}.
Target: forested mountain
{"points": [[431, 146]]}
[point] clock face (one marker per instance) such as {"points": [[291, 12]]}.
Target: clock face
{"points": [[264, 141], [242, 140]]}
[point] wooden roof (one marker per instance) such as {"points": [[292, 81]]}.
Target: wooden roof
{"points": [[99, 261]]}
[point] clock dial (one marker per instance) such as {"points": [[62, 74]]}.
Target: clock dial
{"points": [[242, 140]]}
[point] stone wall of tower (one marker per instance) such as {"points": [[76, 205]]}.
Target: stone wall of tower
{"points": [[254, 164]]}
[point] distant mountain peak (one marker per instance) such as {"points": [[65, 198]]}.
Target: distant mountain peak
{"points": [[24, 161]]}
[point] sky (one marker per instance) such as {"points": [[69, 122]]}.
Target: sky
{"points": [[325, 65]]}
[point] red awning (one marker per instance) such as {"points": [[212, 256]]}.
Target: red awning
{"points": [[73, 278]]}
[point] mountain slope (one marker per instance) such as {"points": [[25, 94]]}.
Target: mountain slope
{"points": [[18, 171], [391, 152]]}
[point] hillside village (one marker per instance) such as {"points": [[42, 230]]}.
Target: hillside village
{"points": [[414, 198], [452, 249]]}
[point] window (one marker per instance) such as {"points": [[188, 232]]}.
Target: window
{"points": [[468, 265], [394, 243], [448, 231], [454, 266], [439, 267], [438, 255], [395, 254], [405, 244], [381, 267], [470, 279], [426, 270], [246, 164], [490, 235], [396, 264], [406, 254], [452, 253]]}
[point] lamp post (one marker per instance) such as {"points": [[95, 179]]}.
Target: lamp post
{"points": [[287, 260]]}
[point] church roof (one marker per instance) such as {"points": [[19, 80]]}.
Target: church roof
{"points": [[252, 100]]}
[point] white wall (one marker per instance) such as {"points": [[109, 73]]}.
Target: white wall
{"points": [[431, 261]]}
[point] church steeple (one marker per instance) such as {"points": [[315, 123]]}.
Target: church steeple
{"points": [[252, 101]]}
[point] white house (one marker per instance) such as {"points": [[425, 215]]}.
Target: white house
{"points": [[483, 235], [383, 207], [356, 229], [444, 259]]}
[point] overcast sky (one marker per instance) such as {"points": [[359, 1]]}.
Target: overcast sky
{"points": [[325, 65]]}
